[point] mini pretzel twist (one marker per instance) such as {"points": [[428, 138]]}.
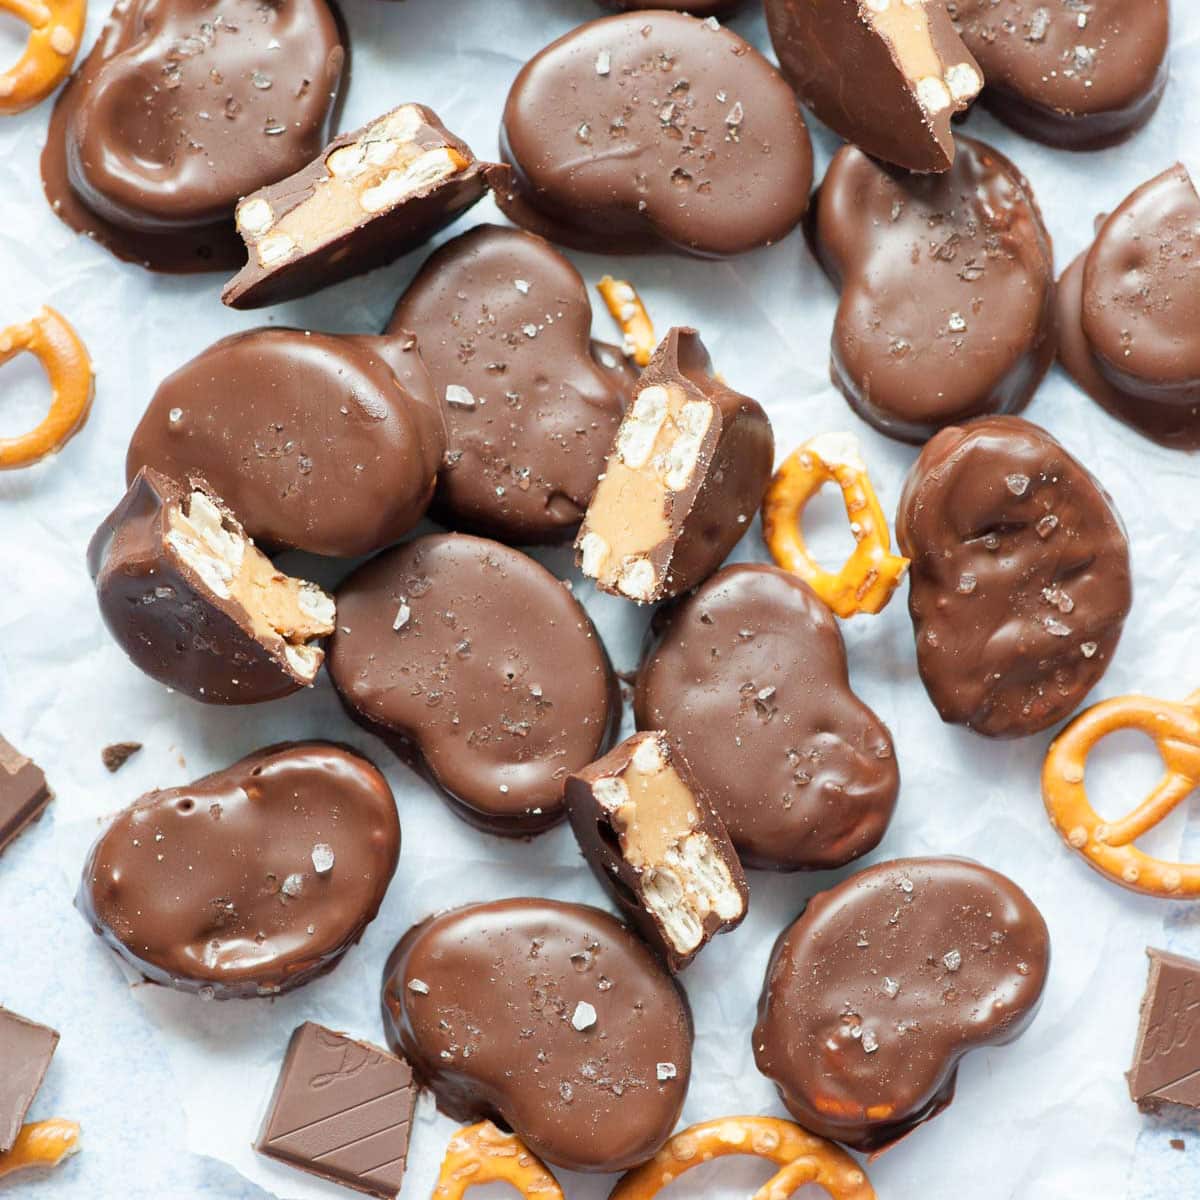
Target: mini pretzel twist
{"points": [[802, 1159], [42, 1144], [482, 1154], [65, 358], [55, 27], [630, 313], [1108, 845], [869, 576]]}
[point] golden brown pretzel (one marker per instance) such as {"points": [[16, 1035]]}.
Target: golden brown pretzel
{"points": [[1108, 845], [869, 576], [483, 1154], [55, 27], [802, 1159], [630, 313], [42, 1144], [65, 359]]}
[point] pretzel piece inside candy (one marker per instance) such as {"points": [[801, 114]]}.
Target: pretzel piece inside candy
{"points": [[1108, 845], [869, 576], [43, 1144], [65, 358], [630, 313], [483, 1154], [802, 1159], [55, 27]]}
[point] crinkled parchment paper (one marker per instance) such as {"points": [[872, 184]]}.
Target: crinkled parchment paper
{"points": [[170, 1089]]}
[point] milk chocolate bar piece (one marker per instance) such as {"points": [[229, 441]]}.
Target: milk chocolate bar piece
{"points": [[371, 196], [691, 461], [887, 75], [654, 839], [196, 605], [23, 794], [1166, 1062], [342, 1110], [26, 1049]]}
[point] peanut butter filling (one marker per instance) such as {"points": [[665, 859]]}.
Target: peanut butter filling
{"points": [[233, 568], [383, 168]]}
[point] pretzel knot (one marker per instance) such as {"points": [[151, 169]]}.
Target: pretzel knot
{"points": [[482, 1154], [870, 575], [55, 27], [1108, 845], [42, 1144], [629, 312], [65, 358], [802, 1159]]}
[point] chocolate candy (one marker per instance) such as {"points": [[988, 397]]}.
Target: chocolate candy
{"points": [[947, 282], [196, 605], [1129, 307], [655, 131], [1020, 576], [1166, 1060], [654, 840], [687, 472], [874, 995], [369, 197], [318, 442], [1078, 75], [531, 403], [552, 1018], [886, 75], [748, 676], [480, 668], [24, 795], [26, 1049], [342, 1110], [250, 881], [182, 107]]}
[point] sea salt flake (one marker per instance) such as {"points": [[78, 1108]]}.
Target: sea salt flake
{"points": [[952, 960], [584, 1016]]}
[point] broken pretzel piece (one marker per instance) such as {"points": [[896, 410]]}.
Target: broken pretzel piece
{"points": [[43, 1144], [196, 605], [65, 359], [869, 576], [687, 470], [371, 196], [1108, 846], [802, 1159], [626, 307], [887, 75], [654, 839], [55, 28], [482, 1154]]}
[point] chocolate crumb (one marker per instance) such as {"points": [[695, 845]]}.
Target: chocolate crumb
{"points": [[118, 754]]}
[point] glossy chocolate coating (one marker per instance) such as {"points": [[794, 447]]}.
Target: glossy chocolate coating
{"points": [[166, 616], [654, 131], [475, 661], [681, 529], [874, 995], [182, 107], [749, 676], [531, 403], [1020, 578], [947, 289], [318, 442], [214, 887], [1129, 311], [481, 1001], [373, 238], [858, 82], [1081, 87]]}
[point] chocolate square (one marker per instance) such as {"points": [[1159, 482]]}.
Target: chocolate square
{"points": [[342, 1110], [26, 1049], [1166, 1062], [23, 792]]}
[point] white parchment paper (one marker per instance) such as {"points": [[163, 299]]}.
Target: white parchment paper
{"points": [[170, 1089]]}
